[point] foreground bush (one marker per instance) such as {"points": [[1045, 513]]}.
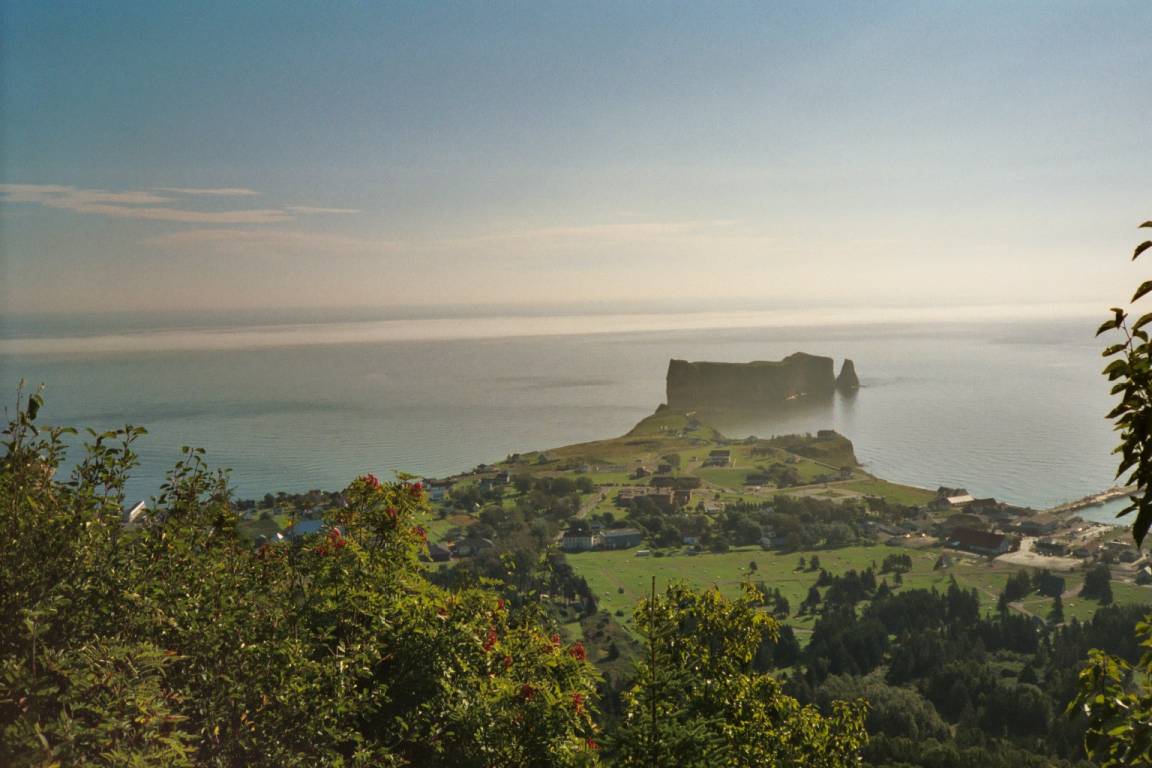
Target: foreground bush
{"points": [[176, 643]]}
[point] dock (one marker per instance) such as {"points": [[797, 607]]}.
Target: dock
{"points": [[1095, 499]]}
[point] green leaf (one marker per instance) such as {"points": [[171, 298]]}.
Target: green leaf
{"points": [[1118, 410], [1115, 368], [1146, 224], [1144, 320], [1107, 325], [34, 403], [1143, 522], [1144, 287], [1141, 248]]}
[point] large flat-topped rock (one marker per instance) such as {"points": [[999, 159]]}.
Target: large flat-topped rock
{"points": [[761, 382]]}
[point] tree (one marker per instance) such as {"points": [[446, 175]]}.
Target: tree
{"points": [[739, 718], [892, 710], [1056, 615], [811, 600], [1131, 370], [1098, 585]]}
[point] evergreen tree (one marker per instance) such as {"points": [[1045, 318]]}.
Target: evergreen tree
{"points": [[1098, 584], [1056, 615]]}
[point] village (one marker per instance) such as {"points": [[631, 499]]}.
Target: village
{"points": [[673, 467]]}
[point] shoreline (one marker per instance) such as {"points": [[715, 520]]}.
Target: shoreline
{"points": [[1092, 500]]}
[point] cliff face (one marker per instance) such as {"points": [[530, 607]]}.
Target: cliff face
{"points": [[724, 385]]}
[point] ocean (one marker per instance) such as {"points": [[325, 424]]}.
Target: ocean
{"points": [[1004, 401]]}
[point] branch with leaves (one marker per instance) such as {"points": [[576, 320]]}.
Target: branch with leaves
{"points": [[1131, 370]]}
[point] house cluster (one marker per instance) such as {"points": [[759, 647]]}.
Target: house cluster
{"points": [[978, 542], [718, 458], [988, 527], [770, 539], [663, 468], [601, 538], [443, 551], [666, 498], [983, 526], [437, 490], [590, 468], [1069, 546], [959, 500], [497, 480]]}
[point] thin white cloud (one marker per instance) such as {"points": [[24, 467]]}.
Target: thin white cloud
{"points": [[316, 209], [56, 196], [509, 244], [140, 205], [624, 232], [210, 191], [250, 216], [330, 244]]}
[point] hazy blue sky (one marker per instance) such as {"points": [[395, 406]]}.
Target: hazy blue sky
{"points": [[218, 154]]}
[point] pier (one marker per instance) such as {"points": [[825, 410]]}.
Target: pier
{"points": [[1095, 500]]}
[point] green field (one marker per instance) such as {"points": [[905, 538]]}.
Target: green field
{"points": [[621, 579], [610, 572], [438, 527], [898, 494], [724, 477]]}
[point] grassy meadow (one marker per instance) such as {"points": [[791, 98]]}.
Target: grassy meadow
{"points": [[621, 579]]}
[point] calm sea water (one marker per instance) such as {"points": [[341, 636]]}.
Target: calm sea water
{"points": [[1011, 409]]}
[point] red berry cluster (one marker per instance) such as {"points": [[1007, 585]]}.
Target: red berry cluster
{"points": [[578, 652], [334, 543]]}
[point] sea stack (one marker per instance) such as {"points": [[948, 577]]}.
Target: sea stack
{"points": [[847, 380]]}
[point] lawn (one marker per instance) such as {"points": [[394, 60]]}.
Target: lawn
{"points": [[621, 579], [438, 527], [899, 494], [724, 477], [605, 478]]}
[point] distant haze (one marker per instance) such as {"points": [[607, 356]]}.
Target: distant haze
{"points": [[165, 155]]}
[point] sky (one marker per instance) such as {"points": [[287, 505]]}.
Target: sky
{"points": [[222, 155]]}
